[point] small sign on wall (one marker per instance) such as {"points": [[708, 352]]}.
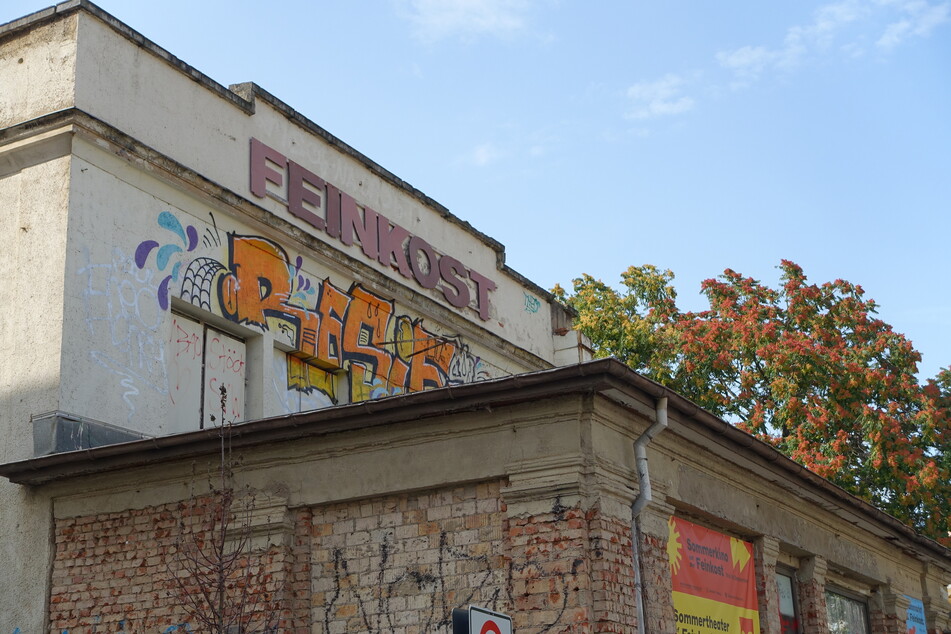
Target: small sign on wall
{"points": [[476, 620]]}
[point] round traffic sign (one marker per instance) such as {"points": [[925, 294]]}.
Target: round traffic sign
{"points": [[490, 627]]}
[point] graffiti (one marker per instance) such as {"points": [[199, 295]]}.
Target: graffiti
{"points": [[329, 329], [560, 587], [165, 253], [201, 362], [121, 316], [532, 304], [465, 367], [290, 385], [393, 584]]}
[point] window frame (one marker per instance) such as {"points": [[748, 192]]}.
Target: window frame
{"points": [[854, 597], [207, 328], [790, 573]]}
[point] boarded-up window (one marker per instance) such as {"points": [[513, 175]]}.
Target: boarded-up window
{"points": [[206, 374], [301, 386]]}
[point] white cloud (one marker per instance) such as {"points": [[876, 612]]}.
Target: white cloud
{"points": [[483, 154], [847, 23], [439, 19], [537, 151], [918, 19], [658, 98], [747, 62]]}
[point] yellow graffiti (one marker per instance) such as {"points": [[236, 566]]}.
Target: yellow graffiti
{"points": [[305, 377], [330, 329]]}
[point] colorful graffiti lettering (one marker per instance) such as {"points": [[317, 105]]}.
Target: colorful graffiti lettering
{"points": [[329, 329]]}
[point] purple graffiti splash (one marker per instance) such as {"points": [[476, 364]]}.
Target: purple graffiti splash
{"points": [[189, 240], [163, 293], [192, 237], [142, 252]]}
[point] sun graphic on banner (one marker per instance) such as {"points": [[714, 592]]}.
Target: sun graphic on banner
{"points": [[746, 626], [739, 554], [673, 547]]}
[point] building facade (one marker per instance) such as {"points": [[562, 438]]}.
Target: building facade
{"points": [[412, 426]]}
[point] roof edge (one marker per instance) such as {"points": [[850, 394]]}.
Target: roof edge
{"points": [[244, 95], [598, 376]]}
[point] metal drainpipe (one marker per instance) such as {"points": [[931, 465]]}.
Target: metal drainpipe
{"points": [[643, 498]]}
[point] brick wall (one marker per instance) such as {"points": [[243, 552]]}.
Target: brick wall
{"points": [[107, 566], [571, 572], [812, 597], [297, 577], [113, 572], [658, 589], [399, 564], [550, 571], [612, 575], [766, 549]]}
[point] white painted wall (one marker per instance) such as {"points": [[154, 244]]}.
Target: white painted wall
{"points": [[33, 213], [38, 68], [158, 104], [83, 329], [126, 354]]}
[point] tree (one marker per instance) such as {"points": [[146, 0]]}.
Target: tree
{"points": [[216, 579], [808, 368]]}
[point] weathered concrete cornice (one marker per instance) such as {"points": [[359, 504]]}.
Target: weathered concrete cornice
{"points": [[606, 377]]}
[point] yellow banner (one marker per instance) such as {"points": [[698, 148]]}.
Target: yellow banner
{"points": [[696, 615]]}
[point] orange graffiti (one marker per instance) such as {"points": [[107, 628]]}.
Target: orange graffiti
{"points": [[356, 330], [257, 288]]}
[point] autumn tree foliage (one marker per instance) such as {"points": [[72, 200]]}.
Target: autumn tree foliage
{"points": [[806, 367]]}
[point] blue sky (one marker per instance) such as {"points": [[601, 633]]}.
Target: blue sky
{"points": [[589, 136]]}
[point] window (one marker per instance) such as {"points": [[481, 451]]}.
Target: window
{"points": [[788, 609], [847, 614], [300, 385], [206, 374]]}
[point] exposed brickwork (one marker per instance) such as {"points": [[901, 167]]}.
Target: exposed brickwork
{"points": [[766, 550], [112, 572], [813, 605], [656, 579], [812, 597], [297, 576], [399, 564], [612, 576], [886, 613], [107, 566], [550, 572], [882, 623]]}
